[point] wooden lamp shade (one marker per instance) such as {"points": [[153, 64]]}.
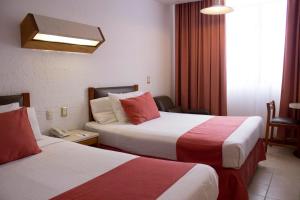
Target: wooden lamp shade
{"points": [[40, 32]]}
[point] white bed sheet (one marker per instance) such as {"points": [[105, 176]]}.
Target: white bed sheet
{"points": [[158, 137], [64, 165]]}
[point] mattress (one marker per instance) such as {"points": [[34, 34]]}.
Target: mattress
{"points": [[158, 137], [64, 165]]}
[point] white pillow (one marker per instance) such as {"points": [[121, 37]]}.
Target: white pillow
{"points": [[31, 116], [102, 110], [9, 107], [34, 123], [116, 104]]}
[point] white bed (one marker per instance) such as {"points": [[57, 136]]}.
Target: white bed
{"points": [[158, 137], [64, 165]]}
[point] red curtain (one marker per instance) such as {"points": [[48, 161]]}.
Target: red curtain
{"points": [[290, 91], [200, 59]]}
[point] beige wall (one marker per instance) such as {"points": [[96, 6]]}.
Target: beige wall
{"points": [[138, 43]]}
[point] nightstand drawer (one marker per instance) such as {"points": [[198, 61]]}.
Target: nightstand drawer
{"points": [[90, 142]]}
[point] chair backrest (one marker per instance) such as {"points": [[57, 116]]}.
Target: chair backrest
{"points": [[164, 103], [271, 110]]}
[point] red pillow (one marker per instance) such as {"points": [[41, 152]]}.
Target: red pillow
{"points": [[140, 109], [17, 139]]}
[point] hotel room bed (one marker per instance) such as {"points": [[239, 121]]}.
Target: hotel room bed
{"points": [[158, 137], [237, 155], [64, 165]]}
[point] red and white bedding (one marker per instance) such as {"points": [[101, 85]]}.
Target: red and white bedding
{"points": [[158, 137], [62, 166]]}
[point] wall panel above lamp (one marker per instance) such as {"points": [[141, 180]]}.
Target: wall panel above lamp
{"points": [[40, 32], [217, 9]]}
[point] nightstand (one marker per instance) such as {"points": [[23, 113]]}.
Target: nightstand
{"points": [[83, 137]]}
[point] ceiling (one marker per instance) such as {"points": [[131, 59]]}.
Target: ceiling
{"points": [[175, 1]]}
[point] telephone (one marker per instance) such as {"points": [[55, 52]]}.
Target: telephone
{"points": [[59, 133]]}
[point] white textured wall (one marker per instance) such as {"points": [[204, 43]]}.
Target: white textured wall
{"points": [[138, 43]]}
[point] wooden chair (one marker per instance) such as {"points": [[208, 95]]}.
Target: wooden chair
{"points": [[273, 121]]}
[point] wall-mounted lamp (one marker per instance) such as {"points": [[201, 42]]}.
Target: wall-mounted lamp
{"points": [[217, 9], [40, 32]]}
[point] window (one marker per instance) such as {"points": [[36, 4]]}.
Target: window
{"points": [[255, 48]]}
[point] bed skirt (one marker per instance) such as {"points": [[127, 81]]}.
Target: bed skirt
{"points": [[232, 182], [238, 179]]}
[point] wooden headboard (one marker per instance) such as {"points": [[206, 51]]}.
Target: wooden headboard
{"points": [[95, 93], [23, 99]]}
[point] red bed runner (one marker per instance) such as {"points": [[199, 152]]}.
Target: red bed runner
{"points": [[203, 144], [140, 178]]}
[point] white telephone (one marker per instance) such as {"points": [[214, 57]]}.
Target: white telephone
{"points": [[59, 133]]}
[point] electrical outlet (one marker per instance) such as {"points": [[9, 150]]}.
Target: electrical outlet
{"points": [[148, 79], [64, 111], [49, 115]]}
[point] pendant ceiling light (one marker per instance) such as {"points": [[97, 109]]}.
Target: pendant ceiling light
{"points": [[217, 9]]}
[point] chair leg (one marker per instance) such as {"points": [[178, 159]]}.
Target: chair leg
{"points": [[272, 134], [267, 138]]}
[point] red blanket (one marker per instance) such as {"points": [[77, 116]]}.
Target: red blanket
{"points": [[203, 144], [140, 179]]}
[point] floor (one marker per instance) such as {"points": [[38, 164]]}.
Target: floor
{"points": [[277, 178]]}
